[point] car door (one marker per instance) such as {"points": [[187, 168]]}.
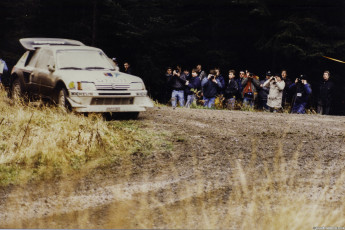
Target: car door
{"points": [[42, 76]]}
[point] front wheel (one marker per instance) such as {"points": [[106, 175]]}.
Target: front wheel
{"points": [[62, 99]]}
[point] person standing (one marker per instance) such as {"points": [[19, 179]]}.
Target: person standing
{"points": [[177, 83], [301, 91], [276, 87], [221, 79], [326, 95], [210, 86], [166, 89], [231, 90], [263, 93], [193, 85], [240, 88], [3, 69], [201, 73], [250, 84], [286, 100], [128, 68]]}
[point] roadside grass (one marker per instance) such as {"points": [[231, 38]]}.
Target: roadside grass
{"points": [[45, 142]]}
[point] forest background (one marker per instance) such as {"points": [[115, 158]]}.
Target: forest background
{"points": [[257, 35]]}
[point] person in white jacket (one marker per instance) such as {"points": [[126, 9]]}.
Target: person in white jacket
{"points": [[275, 95]]}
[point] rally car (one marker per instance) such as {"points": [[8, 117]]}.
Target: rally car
{"points": [[76, 76]]}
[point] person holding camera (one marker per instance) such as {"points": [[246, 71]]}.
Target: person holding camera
{"points": [[193, 85], [210, 86], [275, 95], [325, 99], [177, 83], [301, 91], [221, 79], [250, 84]]}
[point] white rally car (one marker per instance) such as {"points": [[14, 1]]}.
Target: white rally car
{"points": [[79, 77]]}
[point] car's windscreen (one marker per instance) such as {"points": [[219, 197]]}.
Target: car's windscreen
{"points": [[82, 60]]}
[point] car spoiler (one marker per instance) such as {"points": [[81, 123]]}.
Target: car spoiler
{"points": [[34, 43]]}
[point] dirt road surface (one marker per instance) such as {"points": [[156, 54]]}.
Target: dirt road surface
{"points": [[215, 161]]}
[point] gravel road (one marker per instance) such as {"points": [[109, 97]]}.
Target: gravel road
{"points": [[211, 152]]}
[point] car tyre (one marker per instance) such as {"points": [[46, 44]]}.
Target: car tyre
{"points": [[16, 90], [62, 99]]}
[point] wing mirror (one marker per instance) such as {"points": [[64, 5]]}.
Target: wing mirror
{"points": [[51, 68]]}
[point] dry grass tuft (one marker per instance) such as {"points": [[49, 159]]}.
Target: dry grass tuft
{"points": [[45, 142]]}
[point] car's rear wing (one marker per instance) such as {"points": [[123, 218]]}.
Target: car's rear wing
{"points": [[34, 43]]}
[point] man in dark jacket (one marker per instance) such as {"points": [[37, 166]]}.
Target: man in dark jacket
{"points": [[326, 95], [166, 88], [231, 90], [193, 85], [240, 88], [300, 91], [222, 81], [177, 83], [263, 93], [128, 68], [210, 86]]}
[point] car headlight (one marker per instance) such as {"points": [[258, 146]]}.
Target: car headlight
{"points": [[88, 86], [137, 86]]}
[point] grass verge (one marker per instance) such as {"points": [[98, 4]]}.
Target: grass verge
{"points": [[45, 142]]}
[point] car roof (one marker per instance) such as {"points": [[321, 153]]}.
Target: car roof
{"points": [[35, 43], [56, 48]]}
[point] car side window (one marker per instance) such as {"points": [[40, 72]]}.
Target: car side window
{"points": [[45, 58], [32, 58]]}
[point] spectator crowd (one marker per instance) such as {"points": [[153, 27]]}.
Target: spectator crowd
{"points": [[274, 92]]}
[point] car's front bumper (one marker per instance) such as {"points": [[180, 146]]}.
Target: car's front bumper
{"points": [[109, 101]]}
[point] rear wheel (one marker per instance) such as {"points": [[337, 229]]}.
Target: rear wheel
{"points": [[16, 90]]}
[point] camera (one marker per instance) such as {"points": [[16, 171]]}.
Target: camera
{"points": [[300, 78], [212, 77]]}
